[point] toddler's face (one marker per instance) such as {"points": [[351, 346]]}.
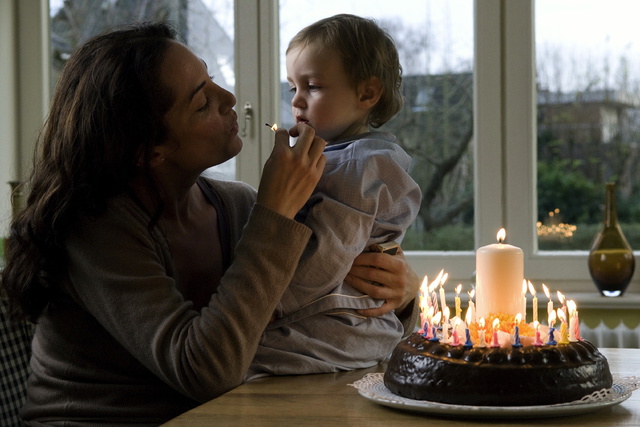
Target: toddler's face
{"points": [[324, 97]]}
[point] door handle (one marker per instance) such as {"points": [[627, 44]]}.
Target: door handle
{"points": [[247, 127]]}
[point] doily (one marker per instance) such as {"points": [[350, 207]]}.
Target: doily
{"points": [[372, 387]]}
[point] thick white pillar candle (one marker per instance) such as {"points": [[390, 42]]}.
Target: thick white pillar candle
{"points": [[499, 275]]}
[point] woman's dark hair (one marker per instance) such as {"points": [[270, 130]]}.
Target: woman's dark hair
{"points": [[106, 115]]}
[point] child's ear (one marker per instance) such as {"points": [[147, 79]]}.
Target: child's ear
{"points": [[370, 92]]}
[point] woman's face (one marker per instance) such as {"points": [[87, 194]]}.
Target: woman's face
{"points": [[203, 127]]}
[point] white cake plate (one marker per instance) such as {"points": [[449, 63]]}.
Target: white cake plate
{"points": [[372, 387]]}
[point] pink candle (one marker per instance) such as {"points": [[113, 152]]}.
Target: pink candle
{"points": [[499, 275], [538, 342], [495, 342]]}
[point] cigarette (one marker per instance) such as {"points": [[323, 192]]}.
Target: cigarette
{"points": [[274, 127]]}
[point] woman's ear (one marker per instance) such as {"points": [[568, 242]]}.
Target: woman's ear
{"points": [[369, 92], [158, 155]]}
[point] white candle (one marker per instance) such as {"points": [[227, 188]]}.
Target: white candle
{"points": [[571, 305], [535, 301], [524, 300], [550, 303], [471, 311], [499, 275], [445, 325], [481, 340]]}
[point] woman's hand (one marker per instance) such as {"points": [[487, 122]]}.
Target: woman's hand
{"points": [[291, 173], [384, 276]]}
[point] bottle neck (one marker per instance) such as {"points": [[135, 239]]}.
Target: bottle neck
{"points": [[611, 214]]}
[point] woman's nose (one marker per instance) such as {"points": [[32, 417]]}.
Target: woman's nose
{"points": [[228, 99]]}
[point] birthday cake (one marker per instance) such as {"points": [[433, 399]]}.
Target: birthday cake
{"points": [[517, 376], [510, 362]]}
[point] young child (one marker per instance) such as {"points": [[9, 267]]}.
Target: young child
{"points": [[346, 76]]}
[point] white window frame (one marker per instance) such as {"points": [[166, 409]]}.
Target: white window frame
{"points": [[504, 141]]}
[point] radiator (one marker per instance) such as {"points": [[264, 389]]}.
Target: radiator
{"points": [[619, 337]]}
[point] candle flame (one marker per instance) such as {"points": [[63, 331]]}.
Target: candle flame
{"points": [[552, 317], [468, 317], [481, 322], [446, 312], [524, 287], [531, 288], [436, 318], [560, 297], [546, 291], [536, 325], [458, 289], [561, 316], [571, 305], [518, 318], [445, 276], [424, 287], [502, 234], [471, 293], [436, 282], [496, 324]]}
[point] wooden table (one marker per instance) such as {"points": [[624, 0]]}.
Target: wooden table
{"points": [[327, 399]]}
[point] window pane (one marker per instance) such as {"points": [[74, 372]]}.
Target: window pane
{"points": [[207, 27], [588, 63], [435, 42]]}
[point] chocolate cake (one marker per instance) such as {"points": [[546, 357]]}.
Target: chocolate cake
{"points": [[509, 376]]}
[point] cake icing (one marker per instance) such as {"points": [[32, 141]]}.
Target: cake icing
{"points": [[496, 376]]}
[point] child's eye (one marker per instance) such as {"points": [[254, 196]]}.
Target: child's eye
{"points": [[313, 88], [292, 89]]}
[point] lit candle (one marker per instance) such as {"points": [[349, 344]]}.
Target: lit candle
{"points": [[467, 333], [524, 300], [443, 303], [472, 307], [457, 301], [535, 301], [571, 305], [552, 321], [499, 273], [562, 300], [538, 342], [516, 340], [564, 338], [425, 304], [434, 322], [456, 338], [495, 342], [427, 323], [445, 325], [578, 337], [481, 340], [550, 303], [432, 291]]}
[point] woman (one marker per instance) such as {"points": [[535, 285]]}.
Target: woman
{"points": [[150, 285]]}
